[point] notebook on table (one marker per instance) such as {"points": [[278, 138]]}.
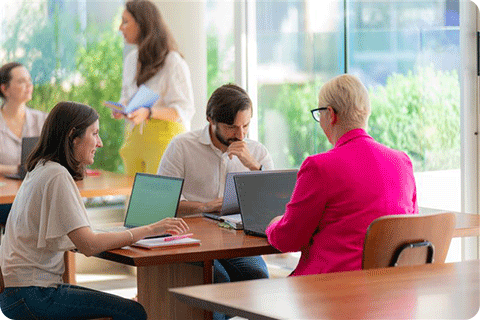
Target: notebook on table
{"points": [[262, 197], [28, 144], [153, 198]]}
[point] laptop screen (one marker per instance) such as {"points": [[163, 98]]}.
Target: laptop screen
{"points": [[153, 198], [263, 197], [28, 144], [230, 201]]}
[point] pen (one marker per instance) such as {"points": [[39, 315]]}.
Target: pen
{"points": [[188, 235]]}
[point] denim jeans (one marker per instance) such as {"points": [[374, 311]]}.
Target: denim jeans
{"points": [[238, 269], [67, 302], [4, 211]]}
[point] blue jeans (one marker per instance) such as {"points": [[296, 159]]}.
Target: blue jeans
{"points": [[67, 302], [238, 269], [4, 211]]}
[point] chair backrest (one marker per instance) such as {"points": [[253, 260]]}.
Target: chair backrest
{"points": [[397, 240], [2, 284]]}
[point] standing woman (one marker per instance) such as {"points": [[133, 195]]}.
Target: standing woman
{"points": [[48, 217], [157, 64], [16, 119]]}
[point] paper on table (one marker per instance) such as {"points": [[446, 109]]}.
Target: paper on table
{"points": [[144, 98], [160, 242]]}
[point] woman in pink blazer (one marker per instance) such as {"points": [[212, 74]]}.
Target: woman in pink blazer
{"points": [[340, 192]]}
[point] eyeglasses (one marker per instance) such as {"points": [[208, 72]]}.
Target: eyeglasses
{"points": [[316, 113]]}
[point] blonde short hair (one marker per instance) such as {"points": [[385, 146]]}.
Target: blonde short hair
{"points": [[349, 97]]}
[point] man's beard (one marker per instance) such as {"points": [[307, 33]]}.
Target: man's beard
{"points": [[225, 142]]}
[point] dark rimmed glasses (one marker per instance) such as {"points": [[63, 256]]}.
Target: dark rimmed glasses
{"points": [[316, 113]]}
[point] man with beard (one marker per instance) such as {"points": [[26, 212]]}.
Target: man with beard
{"points": [[204, 157]]}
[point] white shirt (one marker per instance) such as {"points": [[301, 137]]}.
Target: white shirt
{"points": [[204, 167], [47, 207], [11, 144], [172, 82]]}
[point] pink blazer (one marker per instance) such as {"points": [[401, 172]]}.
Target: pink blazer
{"points": [[337, 195]]}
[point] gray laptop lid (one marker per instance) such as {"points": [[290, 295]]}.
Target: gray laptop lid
{"points": [[153, 198], [230, 201], [28, 144], [263, 197]]}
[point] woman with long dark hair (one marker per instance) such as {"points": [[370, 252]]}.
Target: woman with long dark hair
{"points": [[157, 64], [48, 217]]}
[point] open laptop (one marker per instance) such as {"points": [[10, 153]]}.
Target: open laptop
{"points": [[230, 201], [263, 197], [153, 198], [28, 144]]}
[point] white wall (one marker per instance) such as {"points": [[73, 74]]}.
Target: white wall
{"points": [[187, 22]]}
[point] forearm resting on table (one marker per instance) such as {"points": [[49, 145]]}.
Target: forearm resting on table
{"points": [[90, 243], [186, 208], [8, 169]]}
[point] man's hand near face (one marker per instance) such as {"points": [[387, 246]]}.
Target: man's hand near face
{"points": [[239, 149]]}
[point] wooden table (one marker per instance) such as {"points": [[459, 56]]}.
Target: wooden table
{"points": [[161, 269], [437, 291], [103, 184]]}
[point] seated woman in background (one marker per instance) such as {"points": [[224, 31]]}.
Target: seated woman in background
{"points": [[340, 192], [16, 119], [48, 217]]}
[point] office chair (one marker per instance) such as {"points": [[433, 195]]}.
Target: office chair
{"points": [[398, 240]]}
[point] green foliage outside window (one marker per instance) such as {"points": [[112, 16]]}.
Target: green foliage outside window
{"points": [[98, 77], [417, 113], [67, 65]]}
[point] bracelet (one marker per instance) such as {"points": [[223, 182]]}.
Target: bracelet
{"points": [[131, 235]]}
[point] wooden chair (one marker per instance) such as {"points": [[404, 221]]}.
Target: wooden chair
{"points": [[398, 240]]}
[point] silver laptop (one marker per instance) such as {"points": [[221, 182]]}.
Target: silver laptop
{"points": [[153, 198], [230, 201], [262, 197], [28, 144]]}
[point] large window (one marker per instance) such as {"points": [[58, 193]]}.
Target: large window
{"points": [[406, 52], [73, 52]]}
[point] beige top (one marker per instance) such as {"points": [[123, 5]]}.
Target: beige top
{"points": [[10, 144], [47, 207]]}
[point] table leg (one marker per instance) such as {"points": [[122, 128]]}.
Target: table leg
{"points": [[153, 283], [70, 268]]}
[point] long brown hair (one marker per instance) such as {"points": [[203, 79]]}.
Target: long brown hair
{"points": [[155, 40], [66, 121]]}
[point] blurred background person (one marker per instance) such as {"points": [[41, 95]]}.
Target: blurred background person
{"points": [[16, 120], [156, 63]]}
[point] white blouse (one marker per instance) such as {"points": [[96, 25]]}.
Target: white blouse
{"points": [[172, 82], [11, 144]]}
